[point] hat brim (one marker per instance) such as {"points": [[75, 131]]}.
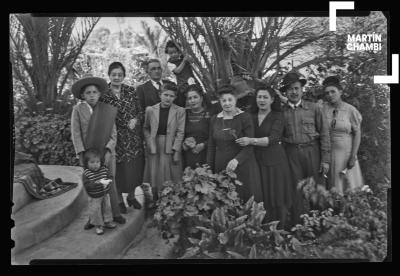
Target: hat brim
{"points": [[302, 81], [99, 82]]}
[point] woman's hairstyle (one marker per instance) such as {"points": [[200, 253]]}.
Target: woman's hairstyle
{"points": [[276, 103], [91, 153], [169, 85], [84, 87], [332, 81], [171, 44], [197, 88], [226, 89], [116, 65]]}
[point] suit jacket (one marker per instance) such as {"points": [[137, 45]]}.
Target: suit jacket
{"points": [[175, 128], [148, 95], [80, 118]]}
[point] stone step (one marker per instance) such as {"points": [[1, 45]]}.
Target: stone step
{"points": [[73, 242], [40, 219]]}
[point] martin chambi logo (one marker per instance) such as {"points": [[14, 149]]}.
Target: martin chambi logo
{"points": [[364, 42]]}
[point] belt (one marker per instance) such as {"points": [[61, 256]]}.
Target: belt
{"points": [[301, 145]]}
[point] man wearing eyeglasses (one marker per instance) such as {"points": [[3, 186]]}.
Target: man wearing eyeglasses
{"points": [[306, 138]]}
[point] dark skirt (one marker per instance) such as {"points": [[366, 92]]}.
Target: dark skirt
{"points": [[277, 186], [191, 160], [129, 175], [248, 173]]}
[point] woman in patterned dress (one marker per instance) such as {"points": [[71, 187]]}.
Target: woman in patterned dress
{"points": [[129, 122], [345, 121]]}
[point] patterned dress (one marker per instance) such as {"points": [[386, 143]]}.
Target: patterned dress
{"points": [[129, 148]]}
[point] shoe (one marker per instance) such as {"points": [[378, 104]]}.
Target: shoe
{"points": [[88, 225], [122, 208], [120, 220], [136, 204], [110, 225], [99, 230]]}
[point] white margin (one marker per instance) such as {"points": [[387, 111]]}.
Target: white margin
{"points": [[337, 5], [394, 78]]}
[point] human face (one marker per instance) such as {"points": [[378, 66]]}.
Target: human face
{"points": [[91, 95], [167, 97], [117, 76], [173, 52], [228, 102], [294, 92], [154, 70], [194, 100], [333, 94], [94, 163], [264, 100]]}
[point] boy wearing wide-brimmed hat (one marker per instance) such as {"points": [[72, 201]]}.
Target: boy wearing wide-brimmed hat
{"points": [[92, 125], [306, 137]]}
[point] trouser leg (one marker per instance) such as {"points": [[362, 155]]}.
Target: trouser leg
{"points": [[106, 208], [95, 214], [298, 173], [115, 196]]}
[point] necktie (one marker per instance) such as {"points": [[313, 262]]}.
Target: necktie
{"points": [[159, 85]]}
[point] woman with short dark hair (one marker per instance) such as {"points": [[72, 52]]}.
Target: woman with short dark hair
{"points": [[345, 132], [224, 153], [271, 157], [196, 128], [129, 121]]}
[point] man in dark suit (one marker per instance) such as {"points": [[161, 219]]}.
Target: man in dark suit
{"points": [[149, 92]]}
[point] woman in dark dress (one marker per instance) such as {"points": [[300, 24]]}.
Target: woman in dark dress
{"points": [[196, 128], [129, 148], [270, 155], [224, 153]]}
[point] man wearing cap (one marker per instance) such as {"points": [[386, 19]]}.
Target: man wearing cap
{"points": [[306, 137], [93, 126]]}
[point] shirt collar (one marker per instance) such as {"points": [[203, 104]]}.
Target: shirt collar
{"points": [[238, 111], [295, 105], [155, 83]]}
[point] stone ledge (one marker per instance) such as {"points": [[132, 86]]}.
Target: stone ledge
{"points": [[40, 219]]}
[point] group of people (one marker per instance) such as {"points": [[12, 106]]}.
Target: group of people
{"points": [[125, 137]]}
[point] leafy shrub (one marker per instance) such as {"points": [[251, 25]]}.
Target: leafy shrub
{"points": [[212, 224], [190, 203], [47, 137]]}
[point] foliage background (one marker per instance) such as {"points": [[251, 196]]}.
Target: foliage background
{"points": [[132, 49]]}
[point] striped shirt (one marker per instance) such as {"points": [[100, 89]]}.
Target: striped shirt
{"points": [[89, 178]]}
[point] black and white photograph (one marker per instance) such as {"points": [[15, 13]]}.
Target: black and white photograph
{"points": [[179, 138]]}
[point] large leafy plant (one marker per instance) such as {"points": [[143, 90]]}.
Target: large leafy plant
{"points": [[47, 137]]}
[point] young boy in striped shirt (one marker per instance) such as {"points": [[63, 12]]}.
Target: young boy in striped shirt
{"points": [[96, 180]]}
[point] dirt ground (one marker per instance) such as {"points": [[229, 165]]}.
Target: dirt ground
{"points": [[149, 244]]}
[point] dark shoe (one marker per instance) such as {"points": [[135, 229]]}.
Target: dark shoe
{"points": [[110, 225], [136, 204], [120, 220], [88, 225], [122, 208]]}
